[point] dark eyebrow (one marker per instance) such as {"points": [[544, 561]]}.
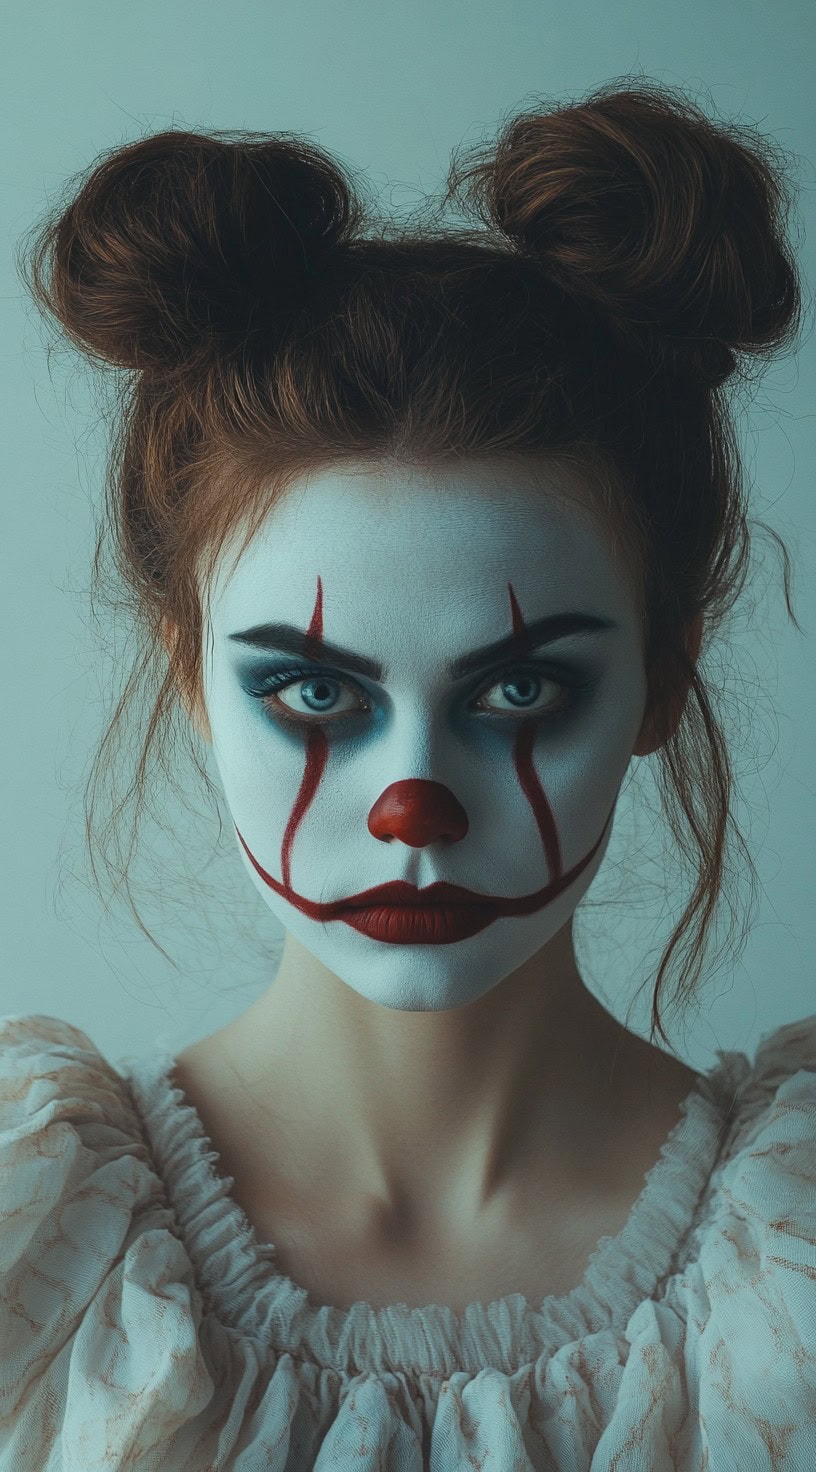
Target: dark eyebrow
{"points": [[286, 639]]}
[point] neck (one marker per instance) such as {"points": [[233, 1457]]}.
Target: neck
{"points": [[431, 1115]]}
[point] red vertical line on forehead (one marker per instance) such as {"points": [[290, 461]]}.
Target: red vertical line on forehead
{"points": [[317, 748], [527, 775]]}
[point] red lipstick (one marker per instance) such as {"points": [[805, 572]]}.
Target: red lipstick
{"points": [[434, 924], [400, 914]]}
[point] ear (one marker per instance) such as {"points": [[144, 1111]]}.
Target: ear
{"points": [[662, 720], [195, 712]]}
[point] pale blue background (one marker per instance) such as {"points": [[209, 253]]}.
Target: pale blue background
{"points": [[390, 88]]}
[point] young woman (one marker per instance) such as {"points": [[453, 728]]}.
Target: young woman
{"points": [[425, 532]]}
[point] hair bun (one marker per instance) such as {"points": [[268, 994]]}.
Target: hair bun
{"points": [[670, 223], [178, 244]]}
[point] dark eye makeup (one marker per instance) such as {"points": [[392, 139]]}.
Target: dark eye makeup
{"points": [[574, 682]]}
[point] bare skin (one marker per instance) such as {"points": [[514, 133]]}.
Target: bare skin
{"points": [[457, 1200]]}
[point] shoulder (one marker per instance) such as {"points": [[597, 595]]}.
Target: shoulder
{"points": [[769, 1168], [731, 1333], [73, 1160], [64, 1112], [36, 1049], [87, 1249], [776, 1101], [752, 1277]]}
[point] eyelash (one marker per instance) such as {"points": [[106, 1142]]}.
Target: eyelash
{"points": [[571, 682]]}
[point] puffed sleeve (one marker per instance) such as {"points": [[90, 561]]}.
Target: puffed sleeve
{"points": [[98, 1311], [752, 1290]]}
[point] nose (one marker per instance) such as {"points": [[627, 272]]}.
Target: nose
{"points": [[418, 813]]}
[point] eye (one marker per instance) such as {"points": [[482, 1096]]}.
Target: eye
{"points": [[526, 686], [318, 692], [317, 695]]}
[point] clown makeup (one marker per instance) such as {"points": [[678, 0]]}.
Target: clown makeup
{"points": [[424, 688]]}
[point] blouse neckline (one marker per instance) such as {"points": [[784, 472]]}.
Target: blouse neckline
{"points": [[241, 1284]]}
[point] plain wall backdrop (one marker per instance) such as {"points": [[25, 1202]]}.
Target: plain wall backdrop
{"points": [[389, 87]]}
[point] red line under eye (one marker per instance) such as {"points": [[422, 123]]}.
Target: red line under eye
{"points": [[572, 684]]}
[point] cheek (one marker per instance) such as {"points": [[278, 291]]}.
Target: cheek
{"points": [[583, 772]]}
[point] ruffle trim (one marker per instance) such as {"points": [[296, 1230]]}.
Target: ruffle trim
{"points": [[239, 1277]]}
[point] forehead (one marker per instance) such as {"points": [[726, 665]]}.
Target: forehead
{"points": [[442, 541]]}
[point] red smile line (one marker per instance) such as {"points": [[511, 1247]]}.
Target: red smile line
{"points": [[398, 893]]}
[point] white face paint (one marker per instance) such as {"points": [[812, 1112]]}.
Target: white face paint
{"points": [[501, 781]]}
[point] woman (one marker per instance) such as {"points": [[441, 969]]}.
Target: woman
{"points": [[428, 530]]}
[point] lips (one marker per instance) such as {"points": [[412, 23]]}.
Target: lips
{"points": [[398, 892], [425, 924], [400, 914]]}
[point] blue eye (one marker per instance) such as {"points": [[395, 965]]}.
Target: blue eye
{"points": [[518, 679]]}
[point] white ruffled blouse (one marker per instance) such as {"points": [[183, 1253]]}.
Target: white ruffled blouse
{"points": [[144, 1326]]}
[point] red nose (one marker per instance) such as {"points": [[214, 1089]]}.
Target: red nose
{"points": [[418, 812]]}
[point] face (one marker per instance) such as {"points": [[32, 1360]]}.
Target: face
{"points": [[423, 689]]}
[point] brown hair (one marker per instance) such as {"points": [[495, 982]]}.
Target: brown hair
{"points": [[630, 257]]}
